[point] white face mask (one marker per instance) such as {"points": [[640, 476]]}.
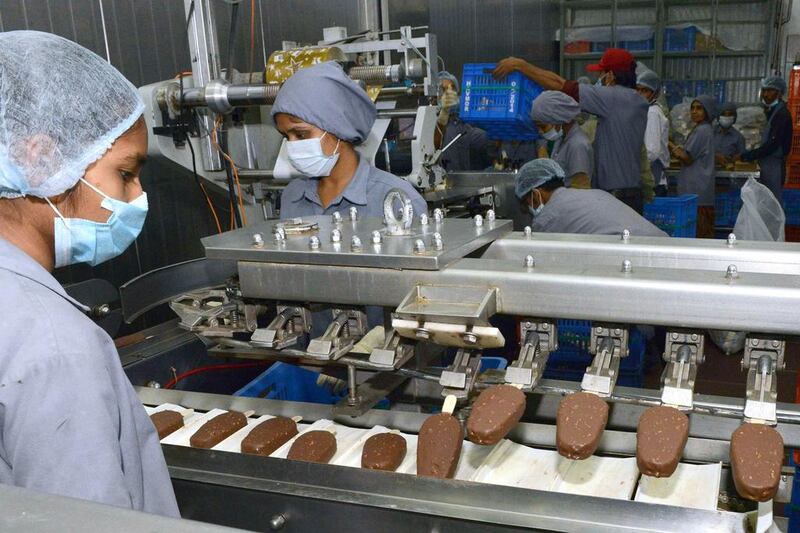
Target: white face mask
{"points": [[552, 134], [726, 122], [309, 159]]}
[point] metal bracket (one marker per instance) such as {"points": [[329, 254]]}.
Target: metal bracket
{"points": [[683, 351], [347, 327], [459, 378], [609, 343], [210, 313], [763, 357], [285, 329], [394, 352], [539, 339]]}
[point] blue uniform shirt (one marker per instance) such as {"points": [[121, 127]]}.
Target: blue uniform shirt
{"points": [[728, 141], [70, 422], [365, 191]]}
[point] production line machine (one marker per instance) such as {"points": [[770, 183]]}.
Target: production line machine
{"points": [[309, 292]]}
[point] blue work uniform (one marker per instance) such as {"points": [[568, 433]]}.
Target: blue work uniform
{"points": [[590, 211], [574, 153], [70, 422], [776, 145], [366, 192], [458, 157], [699, 177], [728, 141]]}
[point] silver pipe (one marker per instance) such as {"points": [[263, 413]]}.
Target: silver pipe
{"points": [[397, 113]]}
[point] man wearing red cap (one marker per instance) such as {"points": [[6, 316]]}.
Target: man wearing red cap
{"points": [[621, 118]]}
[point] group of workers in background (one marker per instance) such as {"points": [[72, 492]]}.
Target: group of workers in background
{"points": [[624, 146]]}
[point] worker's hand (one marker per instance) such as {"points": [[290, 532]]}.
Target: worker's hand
{"points": [[449, 99], [443, 118], [507, 66]]}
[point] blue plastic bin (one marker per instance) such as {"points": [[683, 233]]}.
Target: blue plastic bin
{"points": [[726, 207], [573, 349], [791, 206], [676, 215], [500, 107], [680, 40], [645, 45], [793, 508], [718, 90]]}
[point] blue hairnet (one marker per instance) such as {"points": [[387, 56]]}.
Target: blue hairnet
{"points": [[324, 96], [709, 104], [554, 107], [61, 109], [728, 106], [444, 75], [774, 82], [536, 173], [650, 80]]}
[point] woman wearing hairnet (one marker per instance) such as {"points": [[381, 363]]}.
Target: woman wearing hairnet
{"points": [[72, 143], [555, 209], [554, 114], [697, 175], [728, 141], [323, 114]]}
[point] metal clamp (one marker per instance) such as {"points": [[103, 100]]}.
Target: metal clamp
{"points": [[763, 357], [608, 344], [459, 378], [285, 329], [347, 327], [683, 351], [539, 339], [394, 352], [209, 313]]}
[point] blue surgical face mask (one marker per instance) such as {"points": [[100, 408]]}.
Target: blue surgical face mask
{"points": [[309, 159], [552, 134], [78, 240], [534, 211]]}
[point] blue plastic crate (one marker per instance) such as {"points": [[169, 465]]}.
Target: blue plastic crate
{"points": [[645, 45], [793, 508], [500, 107], [726, 207], [676, 215], [791, 206], [718, 90], [573, 348], [680, 40]]}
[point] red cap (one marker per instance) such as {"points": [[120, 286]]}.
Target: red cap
{"points": [[613, 59]]}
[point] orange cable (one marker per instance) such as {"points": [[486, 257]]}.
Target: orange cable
{"points": [[211, 206]]}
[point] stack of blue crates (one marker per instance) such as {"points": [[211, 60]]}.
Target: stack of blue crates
{"points": [[569, 362], [644, 45], [500, 107], [680, 40], [676, 215], [726, 207], [791, 206], [677, 90]]}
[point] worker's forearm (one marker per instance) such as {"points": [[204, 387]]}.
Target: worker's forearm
{"points": [[438, 136], [547, 79]]}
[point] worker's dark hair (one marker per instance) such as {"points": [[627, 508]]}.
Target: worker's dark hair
{"points": [[552, 185], [626, 78]]}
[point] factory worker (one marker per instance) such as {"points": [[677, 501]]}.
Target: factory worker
{"points": [[776, 141], [556, 209], [72, 144], [554, 114], [473, 141], [656, 136], [697, 174], [324, 114], [621, 118], [728, 141]]}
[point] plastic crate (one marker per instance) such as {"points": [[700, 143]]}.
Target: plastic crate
{"points": [[573, 348], [793, 172], [792, 233], [793, 508], [676, 215], [726, 207], [680, 40], [717, 90], [500, 107], [578, 47], [645, 45], [791, 206]]}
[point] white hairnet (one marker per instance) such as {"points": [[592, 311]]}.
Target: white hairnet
{"points": [[554, 107], [444, 75], [774, 82], [650, 80], [61, 109], [536, 173]]}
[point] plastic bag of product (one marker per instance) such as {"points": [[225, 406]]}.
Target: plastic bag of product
{"points": [[760, 219], [751, 117], [680, 121]]}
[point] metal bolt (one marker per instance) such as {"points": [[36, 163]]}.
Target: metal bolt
{"points": [[490, 216], [674, 336], [196, 303], [528, 231], [419, 246], [279, 235], [694, 336], [376, 237], [423, 334], [599, 329], [353, 213], [277, 522], [423, 219], [731, 239], [775, 344], [336, 217], [529, 262], [545, 326], [154, 384], [732, 272], [754, 342], [438, 215], [627, 266], [101, 310], [258, 240], [355, 243], [618, 332], [478, 220], [470, 338], [313, 242], [336, 235], [626, 234], [438, 244]]}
